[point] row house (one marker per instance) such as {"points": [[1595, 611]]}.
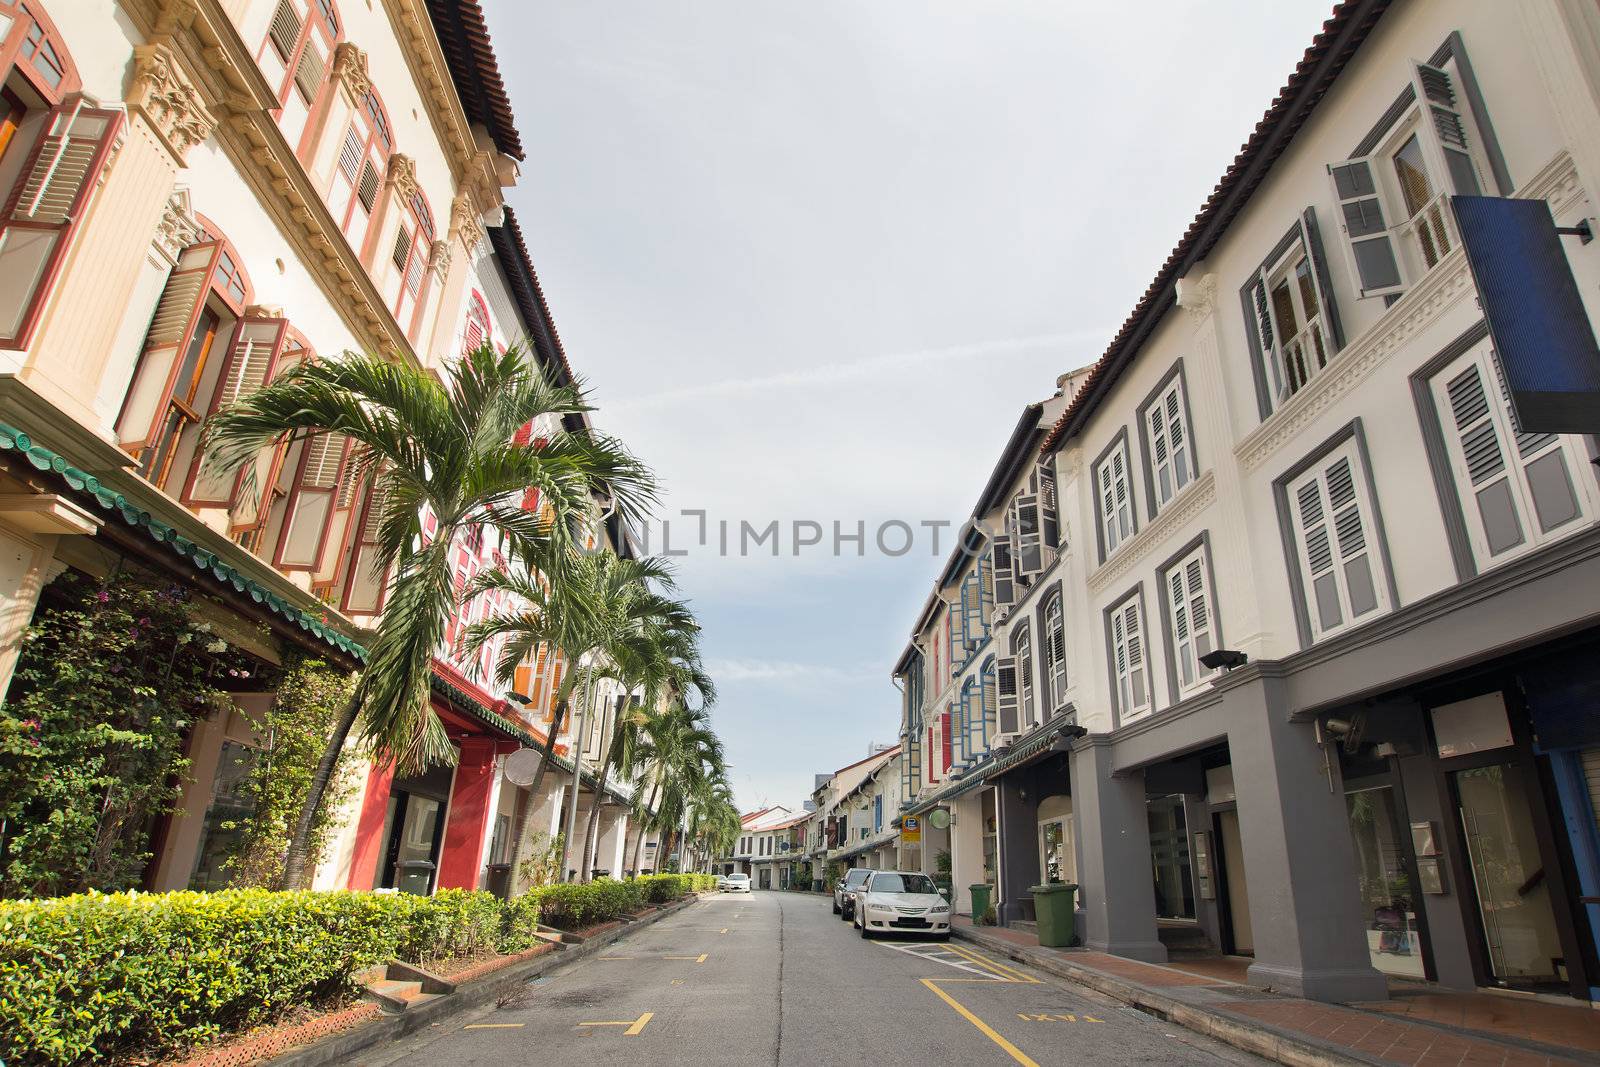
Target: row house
{"points": [[197, 196], [1296, 659], [837, 826], [761, 832]]}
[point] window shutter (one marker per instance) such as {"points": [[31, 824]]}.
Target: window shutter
{"points": [[402, 248], [1443, 122], [171, 330], [1328, 306], [285, 29], [1055, 639], [1334, 535], [955, 648], [1190, 604], [365, 586], [945, 738], [46, 205], [986, 703], [974, 625], [309, 71], [1361, 208], [1008, 702], [310, 508], [1005, 590], [367, 189], [1116, 502], [1049, 512], [1029, 551], [252, 357], [350, 155]]}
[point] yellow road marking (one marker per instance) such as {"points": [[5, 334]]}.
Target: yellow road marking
{"points": [[634, 1026], [983, 1027], [1009, 974], [494, 1026], [698, 959], [677, 981], [1047, 1017], [723, 930]]}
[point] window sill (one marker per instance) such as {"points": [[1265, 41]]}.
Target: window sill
{"points": [[1196, 496]]}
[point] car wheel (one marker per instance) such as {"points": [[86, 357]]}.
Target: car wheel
{"points": [[836, 907], [866, 935], [943, 937]]}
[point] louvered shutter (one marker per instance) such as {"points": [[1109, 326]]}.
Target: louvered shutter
{"points": [[310, 507], [1327, 304], [1362, 210], [1334, 533], [1442, 119], [1116, 501], [1005, 589], [285, 29], [1028, 548], [1049, 511], [1055, 650], [945, 738], [46, 205], [171, 330], [955, 647], [1008, 699], [251, 359], [365, 585], [973, 624], [308, 73], [1190, 604], [1169, 444], [986, 704], [1260, 315]]}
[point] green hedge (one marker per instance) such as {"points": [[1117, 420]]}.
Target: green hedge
{"points": [[92, 977], [98, 977]]}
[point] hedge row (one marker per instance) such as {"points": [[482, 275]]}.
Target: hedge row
{"points": [[97, 977]]}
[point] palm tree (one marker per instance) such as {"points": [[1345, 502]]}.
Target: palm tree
{"points": [[713, 821], [449, 448], [589, 619], [676, 745]]}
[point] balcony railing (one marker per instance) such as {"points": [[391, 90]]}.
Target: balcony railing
{"points": [[1304, 356], [1429, 235]]}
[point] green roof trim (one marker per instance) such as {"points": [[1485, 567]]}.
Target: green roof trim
{"points": [[202, 559]]}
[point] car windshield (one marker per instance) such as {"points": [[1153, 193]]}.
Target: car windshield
{"points": [[857, 877], [738, 877], [903, 883]]}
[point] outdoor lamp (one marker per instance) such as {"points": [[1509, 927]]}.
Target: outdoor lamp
{"points": [[1226, 658]]}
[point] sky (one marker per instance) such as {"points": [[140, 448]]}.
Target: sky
{"points": [[813, 258]]}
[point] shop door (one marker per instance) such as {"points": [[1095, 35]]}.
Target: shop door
{"points": [[1510, 880], [1238, 892], [1388, 898], [411, 856], [1169, 858]]}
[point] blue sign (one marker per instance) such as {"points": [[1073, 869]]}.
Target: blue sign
{"points": [[1540, 329]]}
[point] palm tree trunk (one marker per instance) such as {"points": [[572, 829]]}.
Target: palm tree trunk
{"points": [[294, 861], [519, 854], [591, 830], [638, 835]]}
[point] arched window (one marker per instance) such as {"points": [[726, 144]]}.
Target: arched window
{"points": [[479, 326], [1022, 652], [406, 278], [1053, 635], [54, 143], [295, 58], [358, 176], [201, 349]]}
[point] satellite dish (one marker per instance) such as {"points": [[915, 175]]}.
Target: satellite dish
{"points": [[521, 766], [938, 818]]}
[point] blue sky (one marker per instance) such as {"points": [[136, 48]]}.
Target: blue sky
{"points": [[815, 257]]}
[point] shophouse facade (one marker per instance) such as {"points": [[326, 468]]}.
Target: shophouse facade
{"points": [[198, 196], [1299, 449]]}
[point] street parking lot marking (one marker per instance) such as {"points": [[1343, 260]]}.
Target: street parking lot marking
{"points": [[941, 954], [494, 1026], [634, 1026], [1049, 1017], [1009, 974], [723, 930], [988, 1031]]}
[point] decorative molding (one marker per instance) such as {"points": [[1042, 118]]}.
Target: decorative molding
{"points": [[465, 224], [402, 176], [350, 70], [1196, 498], [168, 99], [177, 229], [1197, 295], [1446, 285], [439, 258]]}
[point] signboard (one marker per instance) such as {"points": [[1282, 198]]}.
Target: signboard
{"points": [[911, 830], [938, 818], [1541, 332]]}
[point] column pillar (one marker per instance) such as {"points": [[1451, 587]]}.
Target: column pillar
{"points": [[369, 827], [1118, 893], [1019, 848], [461, 853], [1563, 38], [1299, 859]]}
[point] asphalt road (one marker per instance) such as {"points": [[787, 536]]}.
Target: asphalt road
{"points": [[776, 978]]}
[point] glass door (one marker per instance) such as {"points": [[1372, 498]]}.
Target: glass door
{"points": [[1056, 859], [1169, 858], [1388, 899], [1509, 876], [412, 855]]}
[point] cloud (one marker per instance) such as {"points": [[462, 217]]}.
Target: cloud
{"points": [[784, 671], [872, 366]]}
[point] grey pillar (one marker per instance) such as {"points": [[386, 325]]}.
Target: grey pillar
{"points": [[1305, 907], [1019, 848], [1114, 840]]}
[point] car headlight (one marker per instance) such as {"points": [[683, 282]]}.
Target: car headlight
{"points": [[939, 909]]}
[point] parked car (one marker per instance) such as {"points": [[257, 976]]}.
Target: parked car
{"points": [[722, 882], [736, 883], [844, 901], [901, 902]]}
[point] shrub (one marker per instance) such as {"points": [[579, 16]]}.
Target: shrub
{"points": [[96, 977], [519, 919]]}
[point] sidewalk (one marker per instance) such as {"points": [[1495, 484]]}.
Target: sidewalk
{"points": [[1421, 1025]]}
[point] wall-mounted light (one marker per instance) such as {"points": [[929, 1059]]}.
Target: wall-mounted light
{"points": [[1226, 658]]}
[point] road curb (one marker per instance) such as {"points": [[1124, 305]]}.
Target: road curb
{"points": [[337, 1047], [1249, 1036]]}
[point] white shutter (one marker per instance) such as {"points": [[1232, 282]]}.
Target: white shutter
{"points": [[1171, 465], [1336, 542], [1116, 501], [1132, 674], [1189, 604], [1443, 123], [1008, 702], [1362, 218], [1028, 549]]}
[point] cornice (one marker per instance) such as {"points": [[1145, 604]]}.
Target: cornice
{"points": [[1189, 503], [165, 95], [1441, 289]]}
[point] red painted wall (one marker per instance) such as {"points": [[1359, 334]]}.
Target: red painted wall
{"points": [[461, 854], [369, 828]]}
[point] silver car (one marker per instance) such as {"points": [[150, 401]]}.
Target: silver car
{"points": [[844, 899], [902, 902]]}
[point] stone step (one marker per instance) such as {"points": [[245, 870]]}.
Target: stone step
{"points": [[394, 995]]}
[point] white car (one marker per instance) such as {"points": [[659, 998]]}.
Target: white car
{"points": [[736, 883], [902, 902]]}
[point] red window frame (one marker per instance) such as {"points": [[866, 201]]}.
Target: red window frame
{"points": [[414, 275], [363, 538], [374, 134]]}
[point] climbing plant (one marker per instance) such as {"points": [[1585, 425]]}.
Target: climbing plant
{"points": [[111, 676], [293, 733]]}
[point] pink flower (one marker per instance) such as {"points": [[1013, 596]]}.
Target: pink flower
{"points": [[103, 597]]}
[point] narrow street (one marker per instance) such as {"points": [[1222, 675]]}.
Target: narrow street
{"points": [[776, 978]]}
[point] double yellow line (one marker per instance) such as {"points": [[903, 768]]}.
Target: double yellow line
{"points": [[1002, 972]]}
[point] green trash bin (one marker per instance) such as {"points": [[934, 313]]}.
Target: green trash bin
{"points": [[1052, 906], [980, 901]]}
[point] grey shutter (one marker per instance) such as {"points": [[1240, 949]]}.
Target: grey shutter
{"points": [[1049, 516], [1484, 456], [1324, 282], [1361, 208], [1005, 587], [1029, 549], [1009, 707], [1444, 120]]}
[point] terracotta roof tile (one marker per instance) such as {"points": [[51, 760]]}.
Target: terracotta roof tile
{"points": [[1342, 34], [464, 37], [525, 288]]}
